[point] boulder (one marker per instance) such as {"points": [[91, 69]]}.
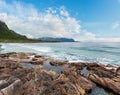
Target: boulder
{"points": [[113, 84], [10, 86], [76, 78], [100, 70], [58, 62], [118, 71], [43, 79], [104, 77], [63, 87], [8, 64], [78, 65]]}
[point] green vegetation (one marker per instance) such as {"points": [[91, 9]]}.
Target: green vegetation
{"points": [[7, 35]]}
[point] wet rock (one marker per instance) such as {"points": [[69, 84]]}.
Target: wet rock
{"points": [[58, 62], [13, 76], [100, 70], [77, 78], [113, 84], [43, 79], [104, 77], [78, 65], [6, 55], [38, 61], [10, 86], [110, 67], [118, 71], [8, 64], [63, 87]]}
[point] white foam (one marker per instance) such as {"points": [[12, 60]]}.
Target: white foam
{"points": [[75, 61], [41, 49], [36, 48]]}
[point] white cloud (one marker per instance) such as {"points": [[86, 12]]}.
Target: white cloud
{"points": [[115, 26], [90, 37], [111, 39], [25, 19], [63, 11], [87, 36]]}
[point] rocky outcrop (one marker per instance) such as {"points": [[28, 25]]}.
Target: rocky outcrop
{"points": [[118, 72], [58, 62], [105, 78], [10, 86], [68, 83], [74, 78], [13, 77]]}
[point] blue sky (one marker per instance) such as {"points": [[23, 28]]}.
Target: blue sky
{"points": [[84, 20]]}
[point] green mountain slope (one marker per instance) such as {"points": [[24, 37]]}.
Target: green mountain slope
{"points": [[6, 33]]}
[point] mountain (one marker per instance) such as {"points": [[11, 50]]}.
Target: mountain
{"points": [[57, 39], [6, 33]]}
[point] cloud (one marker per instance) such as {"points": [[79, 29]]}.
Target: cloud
{"points": [[55, 22], [90, 37], [86, 36], [115, 26], [63, 11], [27, 20]]}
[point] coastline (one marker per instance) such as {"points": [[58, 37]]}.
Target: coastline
{"points": [[44, 74]]}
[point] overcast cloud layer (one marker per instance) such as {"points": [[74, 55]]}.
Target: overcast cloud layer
{"points": [[52, 22]]}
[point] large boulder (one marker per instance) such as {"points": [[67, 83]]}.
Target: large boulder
{"points": [[118, 71], [77, 79], [58, 62], [63, 87], [113, 84], [104, 77], [10, 86]]}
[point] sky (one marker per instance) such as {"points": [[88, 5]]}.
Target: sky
{"points": [[83, 20]]}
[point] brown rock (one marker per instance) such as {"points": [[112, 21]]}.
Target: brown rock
{"points": [[113, 84], [104, 77], [118, 71], [63, 87], [11, 86], [58, 62], [100, 70], [78, 79], [78, 65]]}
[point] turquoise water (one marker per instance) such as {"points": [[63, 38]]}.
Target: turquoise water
{"points": [[106, 53]]}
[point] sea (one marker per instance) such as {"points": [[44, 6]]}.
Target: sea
{"points": [[105, 53]]}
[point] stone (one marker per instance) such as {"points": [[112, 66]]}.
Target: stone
{"points": [[11, 86], [113, 84], [118, 71], [104, 77], [58, 62]]}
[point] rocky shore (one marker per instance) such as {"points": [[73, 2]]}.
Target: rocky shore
{"points": [[32, 74]]}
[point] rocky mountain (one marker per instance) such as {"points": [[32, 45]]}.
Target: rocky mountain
{"points": [[57, 39]]}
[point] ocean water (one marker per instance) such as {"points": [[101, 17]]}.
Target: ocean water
{"points": [[106, 53]]}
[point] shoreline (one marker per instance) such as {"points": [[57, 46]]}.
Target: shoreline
{"points": [[78, 77]]}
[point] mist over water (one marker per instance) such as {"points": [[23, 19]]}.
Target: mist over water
{"points": [[106, 53]]}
